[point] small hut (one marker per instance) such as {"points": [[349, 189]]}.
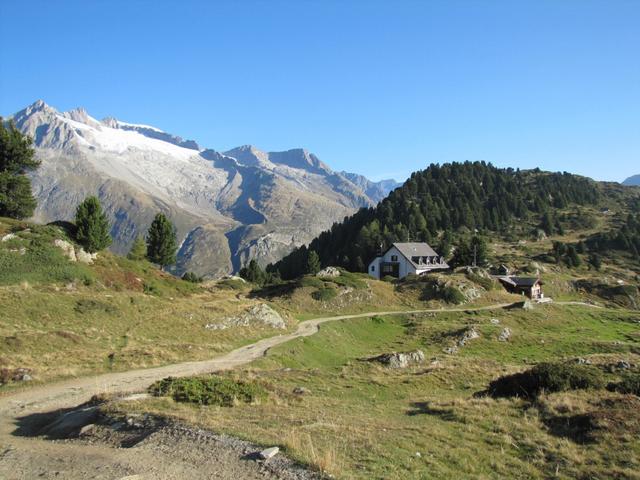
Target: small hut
{"points": [[529, 286]]}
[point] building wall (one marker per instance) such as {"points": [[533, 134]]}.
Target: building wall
{"points": [[404, 266]]}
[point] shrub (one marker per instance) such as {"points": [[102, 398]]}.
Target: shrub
{"points": [[85, 306], [484, 282], [210, 390], [150, 288], [547, 377], [325, 294], [630, 383], [452, 295], [192, 277]]}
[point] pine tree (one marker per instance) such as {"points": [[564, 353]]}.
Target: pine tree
{"points": [[92, 226], [313, 263], [16, 160], [253, 273], [161, 241], [16, 199], [138, 249]]}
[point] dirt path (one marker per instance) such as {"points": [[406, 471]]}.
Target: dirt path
{"points": [[23, 457]]}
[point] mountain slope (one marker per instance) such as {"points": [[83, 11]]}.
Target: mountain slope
{"points": [[374, 190], [456, 197], [633, 180], [227, 207]]}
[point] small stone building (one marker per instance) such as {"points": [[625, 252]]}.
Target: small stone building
{"points": [[529, 286]]}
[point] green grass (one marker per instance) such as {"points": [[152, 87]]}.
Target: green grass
{"points": [[360, 420], [42, 262]]}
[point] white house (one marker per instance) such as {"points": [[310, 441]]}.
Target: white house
{"points": [[401, 259]]}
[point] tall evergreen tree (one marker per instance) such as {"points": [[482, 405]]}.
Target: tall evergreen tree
{"points": [[16, 160], [161, 242], [253, 273], [138, 249], [92, 226], [313, 262], [459, 197]]}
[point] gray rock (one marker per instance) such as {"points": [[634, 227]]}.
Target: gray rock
{"points": [[268, 453], [505, 335], [258, 314], [450, 350], [67, 249], [623, 365], [85, 257], [583, 361], [300, 391], [328, 272], [470, 334], [9, 236], [400, 360], [87, 429], [495, 321]]}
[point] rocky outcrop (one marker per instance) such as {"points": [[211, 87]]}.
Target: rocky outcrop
{"points": [[328, 272], [73, 253], [261, 314], [505, 335], [400, 360]]}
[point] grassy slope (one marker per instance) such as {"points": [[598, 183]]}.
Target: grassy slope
{"points": [[364, 421], [64, 319]]}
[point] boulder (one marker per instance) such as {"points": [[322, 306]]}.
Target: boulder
{"points": [[495, 321], [400, 360], [469, 334], [67, 249], [257, 314], [505, 335], [9, 236], [300, 391], [85, 257], [328, 272], [268, 453]]}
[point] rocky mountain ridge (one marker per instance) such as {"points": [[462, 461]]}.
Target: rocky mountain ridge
{"points": [[228, 207]]}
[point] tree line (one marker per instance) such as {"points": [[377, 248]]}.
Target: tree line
{"points": [[91, 229], [438, 202]]}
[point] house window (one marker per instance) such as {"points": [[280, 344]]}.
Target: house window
{"points": [[394, 258], [373, 268]]}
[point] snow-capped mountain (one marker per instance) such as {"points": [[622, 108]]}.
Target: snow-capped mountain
{"points": [[227, 207]]}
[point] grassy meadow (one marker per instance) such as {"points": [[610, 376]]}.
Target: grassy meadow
{"points": [[361, 420]]}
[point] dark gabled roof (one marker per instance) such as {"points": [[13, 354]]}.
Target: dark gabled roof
{"points": [[520, 281], [415, 249]]}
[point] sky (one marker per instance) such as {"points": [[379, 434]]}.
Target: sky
{"points": [[377, 88]]}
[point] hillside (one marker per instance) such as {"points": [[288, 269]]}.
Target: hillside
{"points": [[227, 207], [443, 204], [632, 181]]}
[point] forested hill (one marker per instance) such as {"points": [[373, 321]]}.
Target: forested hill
{"points": [[437, 202]]}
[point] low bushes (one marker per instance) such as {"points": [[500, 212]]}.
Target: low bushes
{"points": [[325, 294], [210, 390], [547, 377], [630, 383], [485, 282]]}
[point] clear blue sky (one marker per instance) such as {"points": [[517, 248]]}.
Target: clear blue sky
{"points": [[379, 88]]}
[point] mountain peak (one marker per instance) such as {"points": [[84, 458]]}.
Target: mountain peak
{"points": [[79, 114], [39, 106]]}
